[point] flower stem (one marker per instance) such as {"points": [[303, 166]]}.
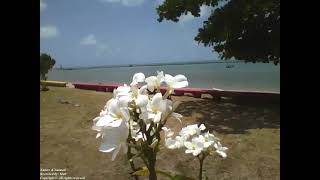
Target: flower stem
{"points": [[129, 153], [201, 159], [129, 156]]}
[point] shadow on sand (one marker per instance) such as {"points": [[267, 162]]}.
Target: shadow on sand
{"points": [[232, 117]]}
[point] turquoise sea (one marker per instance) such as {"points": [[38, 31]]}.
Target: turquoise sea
{"points": [[243, 76]]}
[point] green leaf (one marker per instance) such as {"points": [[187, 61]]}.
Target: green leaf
{"points": [[143, 172]]}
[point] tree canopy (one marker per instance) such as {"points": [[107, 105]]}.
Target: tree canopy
{"points": [[247, 30], [46, 63]]}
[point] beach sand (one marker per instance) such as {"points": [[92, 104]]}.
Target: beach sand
{"points": [[250, 131]]}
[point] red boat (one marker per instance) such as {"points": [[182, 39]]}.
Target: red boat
{"points": [[96, 86]]}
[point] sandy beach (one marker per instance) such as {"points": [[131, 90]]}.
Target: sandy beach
{"points": [[250, 131]]}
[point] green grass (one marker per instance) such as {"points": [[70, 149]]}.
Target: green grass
{"points": [[251, 132]]}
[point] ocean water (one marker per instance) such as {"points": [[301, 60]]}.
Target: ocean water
{"points": [[243, 76]]}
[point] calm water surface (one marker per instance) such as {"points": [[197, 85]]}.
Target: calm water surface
{"points": [[253, 77]]}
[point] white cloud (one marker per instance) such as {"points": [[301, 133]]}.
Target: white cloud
{"points": [[43, 5], [103, 49], [159, 2], [125, 2], [204, 12], [89, 40], [48, 32]]}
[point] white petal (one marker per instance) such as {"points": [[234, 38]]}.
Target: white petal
{"points": [[160, 77], [170, 143], [105, 120], [107, 147], [177, 116], [165, 129], [196, 152], [156, 99], [106, 107], [122, 90], [224, 148], [202, 127], [207, 144], [180, 84], [115, 123], [143, 89], [164, 106], [188, 145], [157, 117], [188, 151], [142, 100], [168, 77], [180, 141], [151, 87], [115, 153], [151, 82], [125, 113], [98, 135], [123, 101], [103, 113], [222, 154], [137, 78], [179, 78], [168, 132], [113, 108]]}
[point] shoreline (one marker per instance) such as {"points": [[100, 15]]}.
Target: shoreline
{"points": [[217, 89], [200, 93], [243, 90]]}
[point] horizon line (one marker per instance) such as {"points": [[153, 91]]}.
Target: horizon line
{"points": [[147, 64]]}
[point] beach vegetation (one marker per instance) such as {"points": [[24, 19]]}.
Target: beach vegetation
{"points": [[46, 63]]}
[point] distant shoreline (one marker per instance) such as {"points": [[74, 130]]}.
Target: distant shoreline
{"points": [[137, 65]]}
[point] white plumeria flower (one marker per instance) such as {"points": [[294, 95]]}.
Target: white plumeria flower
{"points": [[191, 130], [95, 120], [116, 114], [122, 91], [154, 82], [176, 143], [136, 134], [139, 96], [220, 150], [113, 139], [178, 81], [177, 116], [156, 108], [209, 139], [195, 146], [137, 78], [135, 131], [171, 143], [167, 132]]}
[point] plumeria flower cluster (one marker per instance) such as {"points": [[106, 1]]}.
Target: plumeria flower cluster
{"points": [[195, 140], [134, 115]]}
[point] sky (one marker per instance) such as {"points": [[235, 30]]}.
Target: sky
{"points": [[115, 32]]}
